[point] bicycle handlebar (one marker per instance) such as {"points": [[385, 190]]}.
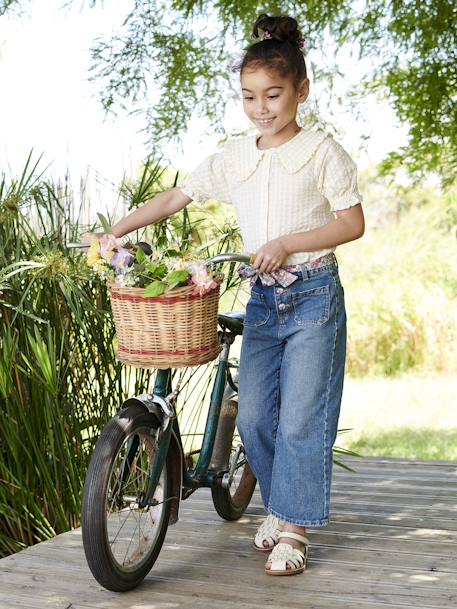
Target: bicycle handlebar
{"points": [[219, 258], [76, 246], [229, 257]]}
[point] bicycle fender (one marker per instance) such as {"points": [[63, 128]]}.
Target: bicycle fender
{"points": [[155, 404]]}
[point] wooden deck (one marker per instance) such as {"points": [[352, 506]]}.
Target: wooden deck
{"points": [[392, 543]]}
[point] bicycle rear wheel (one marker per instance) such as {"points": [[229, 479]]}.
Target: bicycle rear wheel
{"points": [[122, 540], [232, 494]]}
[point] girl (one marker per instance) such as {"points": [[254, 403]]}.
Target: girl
{"points": [[296, 198]]}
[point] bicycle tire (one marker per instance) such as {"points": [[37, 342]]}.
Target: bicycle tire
{"points": [[99, 522], [230, 503]]}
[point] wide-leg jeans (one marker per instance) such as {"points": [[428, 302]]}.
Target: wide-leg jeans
{"points": [[290, 385]]}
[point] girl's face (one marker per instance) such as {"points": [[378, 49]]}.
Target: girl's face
{"points": [[270, 101]]}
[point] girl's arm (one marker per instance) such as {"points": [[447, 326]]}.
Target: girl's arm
{"points": [[348, 226], [161, 206]]}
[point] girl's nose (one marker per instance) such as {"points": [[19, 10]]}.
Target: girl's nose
{"points": [[262, 107]]}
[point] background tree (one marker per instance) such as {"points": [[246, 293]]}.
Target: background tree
{"points": [[168, 61]]}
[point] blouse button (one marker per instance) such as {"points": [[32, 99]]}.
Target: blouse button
{"points": [[282, 306]]}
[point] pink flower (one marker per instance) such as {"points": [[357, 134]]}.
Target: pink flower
{"points": [[108, 243], [204, 283]]}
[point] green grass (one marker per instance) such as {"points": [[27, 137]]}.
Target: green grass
{"points": [[421, 444], [410, 416]]}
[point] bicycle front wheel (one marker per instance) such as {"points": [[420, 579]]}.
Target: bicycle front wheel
{"points": [[122, 540]]}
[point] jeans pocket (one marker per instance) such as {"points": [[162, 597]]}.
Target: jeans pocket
{"points": [[257, 311], [312, 306]]}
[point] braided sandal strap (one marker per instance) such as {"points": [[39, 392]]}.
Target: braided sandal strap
{"points": [[268, 531], [284, 555]]}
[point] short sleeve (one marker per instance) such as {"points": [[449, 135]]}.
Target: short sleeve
{"points": [[338, 178], [208, 181]]}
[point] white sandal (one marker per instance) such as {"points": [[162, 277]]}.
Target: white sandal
{"points": [[268, 531], [286, 560]]}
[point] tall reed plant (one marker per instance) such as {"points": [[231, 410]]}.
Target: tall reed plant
{"points": [[60, 381]]}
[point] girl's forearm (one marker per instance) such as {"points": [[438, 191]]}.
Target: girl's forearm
{"points": [[161, 206], [345, 228]]}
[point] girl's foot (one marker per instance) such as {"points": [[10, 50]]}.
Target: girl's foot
{"points": [[289, 556], [267, 533]]}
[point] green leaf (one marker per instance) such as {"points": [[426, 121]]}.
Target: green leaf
{"points": [[176, 277], [140, 256], [161, 241], [105, 223], [156, 288], [161, 270]]}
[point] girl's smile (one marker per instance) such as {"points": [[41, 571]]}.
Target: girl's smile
{"points": [[270, 101]]}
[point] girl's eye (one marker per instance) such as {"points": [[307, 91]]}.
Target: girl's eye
{"points": [[248, 98], [273, 96]]}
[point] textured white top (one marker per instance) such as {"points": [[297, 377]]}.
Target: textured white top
{"points": [[290, 188]]}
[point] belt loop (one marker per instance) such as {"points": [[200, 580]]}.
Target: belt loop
{"points": [[304, 272]]}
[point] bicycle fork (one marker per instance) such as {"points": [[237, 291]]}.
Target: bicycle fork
{"points": [[161, 405]]}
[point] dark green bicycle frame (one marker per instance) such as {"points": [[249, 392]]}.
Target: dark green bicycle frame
{"points": [[199, 476]]}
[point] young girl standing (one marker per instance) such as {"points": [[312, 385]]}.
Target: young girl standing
{"points": [[296, 198]]}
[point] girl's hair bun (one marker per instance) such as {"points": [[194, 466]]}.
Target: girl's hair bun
{"points": [[279, 27], [277, 46]]}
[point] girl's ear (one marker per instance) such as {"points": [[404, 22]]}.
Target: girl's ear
{"points": [[303, 90]]}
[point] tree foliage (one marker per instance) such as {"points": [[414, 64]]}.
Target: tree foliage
{"points": [[168, 61]]}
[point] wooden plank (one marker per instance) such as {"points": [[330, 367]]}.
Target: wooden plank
{"points": [[167, 600], [404, 477], [438, 537], [398, 461], [13, 599], [447, 495], [241, 584], [422, 502], [374, 557], [384, 515], [444, 493], [319, 539]]}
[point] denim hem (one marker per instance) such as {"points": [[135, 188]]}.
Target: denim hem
{"points": [[303, 523]]}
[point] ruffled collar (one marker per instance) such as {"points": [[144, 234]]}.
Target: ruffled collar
{"points": [[293, 154]]}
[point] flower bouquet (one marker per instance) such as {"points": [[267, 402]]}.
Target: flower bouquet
{"points": [[164, 303]]}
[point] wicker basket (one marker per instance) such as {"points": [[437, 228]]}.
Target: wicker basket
{"points": [[173, 330]]}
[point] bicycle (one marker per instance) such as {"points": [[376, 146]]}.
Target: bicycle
{"points": [[139, 472]]}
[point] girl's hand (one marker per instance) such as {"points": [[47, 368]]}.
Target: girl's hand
{"points": [[270, 256], [87, 237]]}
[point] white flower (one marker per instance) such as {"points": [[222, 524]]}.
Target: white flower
{"points": [[126, 280], [176, 264]]}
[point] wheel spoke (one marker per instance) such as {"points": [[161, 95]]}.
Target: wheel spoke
{"points": [[128, 550]]}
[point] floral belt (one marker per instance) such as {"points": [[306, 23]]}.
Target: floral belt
{"points": [[285, 275]]}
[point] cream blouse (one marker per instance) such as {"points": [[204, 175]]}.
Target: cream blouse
{"points": [[290, 188]]}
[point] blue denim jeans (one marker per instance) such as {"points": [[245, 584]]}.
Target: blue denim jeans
{"points": [[290, 385]]}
